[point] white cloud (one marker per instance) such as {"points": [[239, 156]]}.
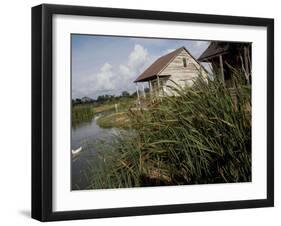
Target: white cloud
{"points": [[103, 80], [115, 79], [138, 60], [137, 57], [124, 70], [98, 83]]}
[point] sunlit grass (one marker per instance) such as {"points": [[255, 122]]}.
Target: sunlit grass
{"points": [[116, 120]]}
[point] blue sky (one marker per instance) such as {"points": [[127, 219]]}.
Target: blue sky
{"points": [[109, 64]]}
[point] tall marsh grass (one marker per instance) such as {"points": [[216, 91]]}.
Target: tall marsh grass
{"points": [[201, 135], [81, 113]]}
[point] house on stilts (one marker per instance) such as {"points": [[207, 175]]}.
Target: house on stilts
{"points": [[175, 68], [226, 57]]}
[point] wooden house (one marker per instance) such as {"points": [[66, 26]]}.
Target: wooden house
{"points": [[177, 67], [226, 57]]}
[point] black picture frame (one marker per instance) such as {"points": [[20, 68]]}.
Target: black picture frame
{"points": [[42, 107]]}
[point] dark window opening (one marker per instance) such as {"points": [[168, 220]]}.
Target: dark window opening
{"points": [[184, 62]]}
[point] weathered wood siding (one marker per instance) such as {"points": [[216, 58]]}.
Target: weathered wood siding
{"points": [[184, 76]]}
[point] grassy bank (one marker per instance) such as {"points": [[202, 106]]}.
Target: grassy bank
{"points": [[85, 112], [103, 107], [202, 135], [123, 104], [117, 120]]}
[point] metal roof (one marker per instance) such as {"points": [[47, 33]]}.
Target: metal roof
{"points": [[213, 50], [153, 70]]}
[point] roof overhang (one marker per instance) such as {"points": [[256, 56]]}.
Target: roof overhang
{"points": [[153, 77], [210, 57]]}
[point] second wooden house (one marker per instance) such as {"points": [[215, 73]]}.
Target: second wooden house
{"points": [[228, 57]]}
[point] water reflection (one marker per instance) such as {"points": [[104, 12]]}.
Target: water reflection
{"points": [[86, 135]]}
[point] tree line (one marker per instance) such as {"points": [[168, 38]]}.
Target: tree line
{"points": [[104, 98]]}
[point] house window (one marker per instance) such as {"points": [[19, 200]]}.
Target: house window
{"points": [[184, 62]]}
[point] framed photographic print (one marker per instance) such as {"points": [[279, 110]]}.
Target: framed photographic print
{"points": [[146, 112]]}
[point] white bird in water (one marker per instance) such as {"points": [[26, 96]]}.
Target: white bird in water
{"points": [[75, 152]]}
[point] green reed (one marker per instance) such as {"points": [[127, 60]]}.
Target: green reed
{"points": [[81, 113]]}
